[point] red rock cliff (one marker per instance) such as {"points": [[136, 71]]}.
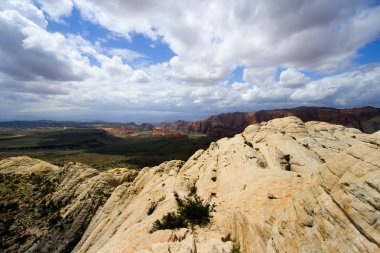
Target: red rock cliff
{"points": [[367, 119]]}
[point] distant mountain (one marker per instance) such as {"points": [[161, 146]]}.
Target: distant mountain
{"points": [[366, 119]]}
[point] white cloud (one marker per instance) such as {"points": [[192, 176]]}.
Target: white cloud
{"points": [[258, 33], [291, 78], [28, 52], [26, 9], [125, 54], [56, 9], [259, 76], [356, 87], [140, 76], [51, 75]]}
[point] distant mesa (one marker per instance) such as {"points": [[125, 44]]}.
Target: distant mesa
{"points": [[366, 119]]}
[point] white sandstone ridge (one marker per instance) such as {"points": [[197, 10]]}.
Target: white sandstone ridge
{"points": [[25, 165], [280, 186]]}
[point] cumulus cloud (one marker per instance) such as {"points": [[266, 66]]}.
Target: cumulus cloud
{"points": [[356, 87], [28, 52], [259, 76], [290, 78], [26, 9]]}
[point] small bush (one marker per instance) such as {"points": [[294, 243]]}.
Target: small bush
{"points": [[195, 211], [191, 211], [170, 221]]}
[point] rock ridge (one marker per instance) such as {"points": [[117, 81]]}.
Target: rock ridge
{"points": [[280, 185]]}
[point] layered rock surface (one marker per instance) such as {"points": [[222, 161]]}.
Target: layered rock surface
{"points": [[280, 186]]}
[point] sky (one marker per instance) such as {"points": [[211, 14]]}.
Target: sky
{"points": [[151, 61]]}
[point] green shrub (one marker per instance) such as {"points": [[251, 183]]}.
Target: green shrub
{"points": [[170, 221], [196, 211], [190, 211]]}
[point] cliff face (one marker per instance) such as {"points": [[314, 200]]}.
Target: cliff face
{"points": [[366, 119], [280, 186]]}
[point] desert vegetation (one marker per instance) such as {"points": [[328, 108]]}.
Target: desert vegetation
{"points": [[97, 148], [191, 211], [24, 207]]}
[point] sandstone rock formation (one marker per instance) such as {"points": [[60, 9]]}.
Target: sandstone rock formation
{"points": [[366, 119], [280, 186], [25, 165]]}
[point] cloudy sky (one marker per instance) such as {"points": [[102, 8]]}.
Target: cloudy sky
{"points": [[148, 60]]}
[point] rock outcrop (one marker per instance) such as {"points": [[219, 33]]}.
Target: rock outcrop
{"points": [[279, 186]]}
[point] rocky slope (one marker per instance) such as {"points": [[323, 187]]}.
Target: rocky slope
{"points": [[44, 208], [277, 181], [366, 119], [280, 186]]}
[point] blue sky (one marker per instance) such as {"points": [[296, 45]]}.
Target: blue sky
{"points": [[153, 61], [370, 53], [156, 51]]}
